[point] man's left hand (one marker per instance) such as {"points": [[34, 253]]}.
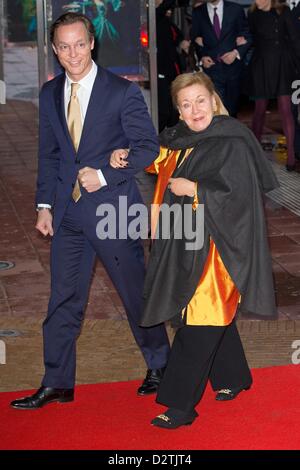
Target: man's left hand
{"points": [[89, 179], [229, 57]]}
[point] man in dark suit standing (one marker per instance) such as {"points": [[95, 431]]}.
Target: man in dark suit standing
{"points": [[216, 27], [295, 9], [168, 66], [86, 113]]}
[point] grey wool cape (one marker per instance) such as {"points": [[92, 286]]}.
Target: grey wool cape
{"points": [[232, 172]]}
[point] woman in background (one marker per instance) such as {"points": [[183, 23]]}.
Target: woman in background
{"points": [[273, 66]]}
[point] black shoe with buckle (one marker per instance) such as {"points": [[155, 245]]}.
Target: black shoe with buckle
{"points": [[226, 394], [43, 396], [151, 381], [173, 418]]}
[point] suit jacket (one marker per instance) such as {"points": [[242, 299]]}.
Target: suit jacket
{"points": [[234, 24], [117, 117], [296, 15]]}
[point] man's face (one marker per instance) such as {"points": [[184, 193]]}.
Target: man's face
{"points": [[73, 48]]}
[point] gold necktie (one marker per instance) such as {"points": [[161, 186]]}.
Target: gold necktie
{"points": [[75, 129]]}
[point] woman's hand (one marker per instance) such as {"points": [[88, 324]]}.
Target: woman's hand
{"points": [[118, 158], [181, 187]]}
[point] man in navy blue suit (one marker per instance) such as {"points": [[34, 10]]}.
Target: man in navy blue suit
{"points": [[217, 27], [86, 113], [295, 9]]}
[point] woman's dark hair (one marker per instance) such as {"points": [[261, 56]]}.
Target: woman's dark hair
{"points": [[71, 18]]}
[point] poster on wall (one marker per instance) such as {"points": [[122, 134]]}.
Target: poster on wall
{"points": [[21, 21], [120, 32]]}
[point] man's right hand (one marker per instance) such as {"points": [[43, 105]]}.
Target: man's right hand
{"points": [[44, 222], [207, 62]]}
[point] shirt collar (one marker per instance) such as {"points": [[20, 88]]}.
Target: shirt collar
{"points": [[219, 7], [86, 82]]}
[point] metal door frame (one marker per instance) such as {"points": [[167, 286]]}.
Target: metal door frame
{"points": [[2, 36], [42, 41], [153, 63]]}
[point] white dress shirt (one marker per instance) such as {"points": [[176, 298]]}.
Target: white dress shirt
{"points": [[220, 11], [211, 11], [292, 3], [83, 94]]}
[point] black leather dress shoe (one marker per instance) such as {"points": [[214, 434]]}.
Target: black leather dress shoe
{"points": [[42, 397], [229, 393], [151, 381], [172, 419]]}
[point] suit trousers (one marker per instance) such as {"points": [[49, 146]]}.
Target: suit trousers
{"points": [[227, 86], [199, 354], [73, 251]]}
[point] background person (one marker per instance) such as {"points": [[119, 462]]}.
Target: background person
{"points": [[216, 25], [273, 67]]}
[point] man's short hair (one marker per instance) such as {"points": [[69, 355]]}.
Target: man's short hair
{"points": [[71, 18]]}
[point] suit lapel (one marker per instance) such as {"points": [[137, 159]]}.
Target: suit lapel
{"points": [[95, 105], [207, 19], [225, 21], [59, 96]]}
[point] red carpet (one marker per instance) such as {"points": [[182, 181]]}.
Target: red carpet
{"points": [[111, 416]]}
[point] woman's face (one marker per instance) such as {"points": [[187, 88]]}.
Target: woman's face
{"points": [[264, 5], [196, 106]]}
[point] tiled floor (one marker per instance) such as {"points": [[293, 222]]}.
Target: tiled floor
{"points": [[24, 289], [21, 72]]}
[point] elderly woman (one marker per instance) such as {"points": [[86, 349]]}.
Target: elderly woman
{"points": [[212, 159]]}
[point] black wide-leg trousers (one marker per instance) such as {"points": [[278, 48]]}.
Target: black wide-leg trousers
{"points": [[199, 354]]}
